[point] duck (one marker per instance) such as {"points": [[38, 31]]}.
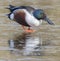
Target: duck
{"points": [[28, 17]]}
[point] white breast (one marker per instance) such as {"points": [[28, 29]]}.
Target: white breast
{"points": [[31, 20]]}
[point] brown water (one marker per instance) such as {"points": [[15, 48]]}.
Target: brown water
{"points": [[49, 35]]}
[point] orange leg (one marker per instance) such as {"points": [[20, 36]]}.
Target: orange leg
{"points": [[28, 30]]}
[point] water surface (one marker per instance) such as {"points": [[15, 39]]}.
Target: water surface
{"points": [[49, 35]]}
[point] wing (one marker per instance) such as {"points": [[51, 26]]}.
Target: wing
{"points": [[28, 8]]}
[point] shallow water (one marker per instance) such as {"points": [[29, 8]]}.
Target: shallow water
{"points": [[49, 35]]}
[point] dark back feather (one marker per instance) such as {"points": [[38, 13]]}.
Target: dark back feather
{"points": [[28, 8]]}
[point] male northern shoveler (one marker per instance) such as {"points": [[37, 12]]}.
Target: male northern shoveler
{"points": [[27, 16]]}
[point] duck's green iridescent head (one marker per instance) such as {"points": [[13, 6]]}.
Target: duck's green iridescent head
{"points": [[39, 14]]}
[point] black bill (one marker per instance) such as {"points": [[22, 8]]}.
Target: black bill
{"points": [[49, 21]]}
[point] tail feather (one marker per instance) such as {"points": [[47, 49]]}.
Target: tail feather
{"points": [[8, 15], [11, 7]]}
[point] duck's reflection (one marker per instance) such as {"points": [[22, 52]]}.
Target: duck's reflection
{"points": [[27, 43]]}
